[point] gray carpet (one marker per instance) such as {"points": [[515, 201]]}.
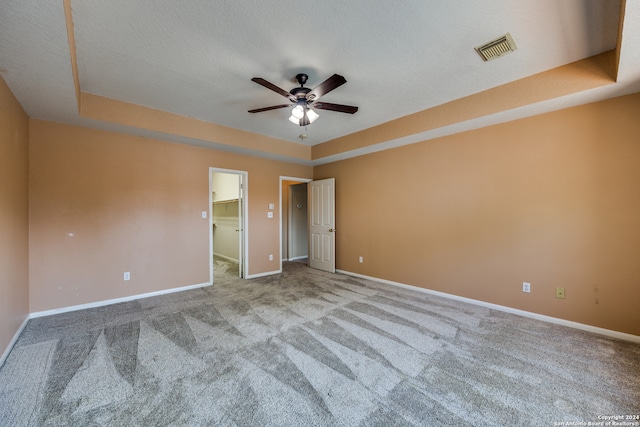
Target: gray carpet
{"points": [[307, 348], [224, 269]]}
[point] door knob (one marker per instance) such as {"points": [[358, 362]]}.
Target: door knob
{"points": [[332, 230]]}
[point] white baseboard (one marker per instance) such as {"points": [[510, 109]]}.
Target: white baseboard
{"points": [[13, 341], [227, 258], [523, 313], [563, 322], [115, 300], [298, 257], [91, 305], [266, 273]]}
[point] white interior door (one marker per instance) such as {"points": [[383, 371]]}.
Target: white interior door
{"points": [[322, 225]]}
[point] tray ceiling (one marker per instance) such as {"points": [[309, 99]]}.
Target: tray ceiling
{"points": [[196, 59]]}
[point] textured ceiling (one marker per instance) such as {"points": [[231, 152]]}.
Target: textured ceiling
{"points": [[197, 58]]}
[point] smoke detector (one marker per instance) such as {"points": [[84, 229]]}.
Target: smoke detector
{"points": [[496, 48]]}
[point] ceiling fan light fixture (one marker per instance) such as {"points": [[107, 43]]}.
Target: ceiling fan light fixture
{"points": [[294, 120], [297, 112], [312, 115], [303, 116]]}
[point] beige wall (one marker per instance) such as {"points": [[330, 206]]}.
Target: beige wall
{"points": [[14, 215], [553, 200], [104, 203]]}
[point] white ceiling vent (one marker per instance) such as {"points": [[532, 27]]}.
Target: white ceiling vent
{"points": [[496, 48]]}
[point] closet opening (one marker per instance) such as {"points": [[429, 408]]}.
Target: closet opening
{"points": [[228, 231]]}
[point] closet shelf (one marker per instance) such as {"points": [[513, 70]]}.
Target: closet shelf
{"points": [[222, 202]]}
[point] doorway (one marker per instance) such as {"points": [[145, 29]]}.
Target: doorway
{"points": [[227, 224], [316, 239], [294, 234]]}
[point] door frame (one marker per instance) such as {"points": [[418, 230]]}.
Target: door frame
{"points": [[244, 198], [282, 179]]}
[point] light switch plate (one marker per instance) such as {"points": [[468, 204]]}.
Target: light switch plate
{"points": [[271, 205], [269, 214]]}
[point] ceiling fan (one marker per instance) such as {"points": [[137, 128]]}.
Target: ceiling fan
{"points": [[303, 99]]}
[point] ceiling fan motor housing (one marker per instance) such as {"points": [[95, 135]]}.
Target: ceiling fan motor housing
{"points": [[300, 92]]}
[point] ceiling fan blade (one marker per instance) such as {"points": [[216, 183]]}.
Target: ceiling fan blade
{"points": [[275, 107], [273, 87], [335, 107], [326, 86]]}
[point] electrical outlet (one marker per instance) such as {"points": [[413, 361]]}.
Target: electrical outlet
{"points": [[526, 287], [127, 275], [360, 260], [560, 293], [270, 257]]}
